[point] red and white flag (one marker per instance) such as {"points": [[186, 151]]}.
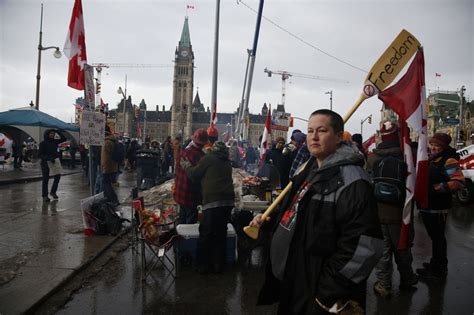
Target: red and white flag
{"points": [[75, 48], [214, 115], [407, 98], [369, 145], [266, 132]]}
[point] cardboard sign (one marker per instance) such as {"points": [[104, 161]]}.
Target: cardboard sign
{"points": [[92, 128]]}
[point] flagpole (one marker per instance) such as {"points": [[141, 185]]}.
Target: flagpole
{"points": [[215, 64]]}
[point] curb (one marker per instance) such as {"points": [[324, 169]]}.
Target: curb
{"points": [[75, 271]]}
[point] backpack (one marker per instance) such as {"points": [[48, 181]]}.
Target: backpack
{"points": [[389, 176], [107, 220], [118, 152]]}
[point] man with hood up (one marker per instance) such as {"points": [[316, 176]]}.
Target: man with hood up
{"points": [[49, 154], [327, 237], [214, 172]]}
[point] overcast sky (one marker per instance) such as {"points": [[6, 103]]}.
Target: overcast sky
{"points": [[147, 32]]}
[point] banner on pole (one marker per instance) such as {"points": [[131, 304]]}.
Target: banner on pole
{"points": [[89, 91], [92, 128]]}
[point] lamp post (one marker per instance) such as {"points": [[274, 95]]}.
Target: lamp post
{"points": [[56, 54], [330, 99], [124, 94]]}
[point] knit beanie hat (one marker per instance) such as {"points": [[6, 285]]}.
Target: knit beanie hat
{"points": [[346, 136], [389, 131], [200, 136], [441, 139], [299, 137], [212, 132], [357, 138]]}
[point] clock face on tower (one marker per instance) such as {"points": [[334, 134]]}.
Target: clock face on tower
{"points": [[184, 53]]}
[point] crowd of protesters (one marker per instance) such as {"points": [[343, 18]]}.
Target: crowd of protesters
{"points": [[334, 211]]}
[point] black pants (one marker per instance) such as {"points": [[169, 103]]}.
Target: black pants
{"points": [[109, 192], [45, 175], [212, 243], [435, 224]]}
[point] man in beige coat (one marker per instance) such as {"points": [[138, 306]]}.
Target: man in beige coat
{"points": [[108, 166]]}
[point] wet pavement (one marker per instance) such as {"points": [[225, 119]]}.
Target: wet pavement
{"points": [[42, 244], [42, 248], [235, 291]]}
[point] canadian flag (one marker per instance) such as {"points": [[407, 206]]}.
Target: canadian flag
{"points": [[266, 132], [369, 144], [407, 98], [75, 48]]}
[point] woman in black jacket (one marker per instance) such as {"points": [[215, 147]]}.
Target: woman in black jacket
{"points": [[49, 154]]}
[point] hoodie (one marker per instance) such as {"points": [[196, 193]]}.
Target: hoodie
{"points": [[48, 148]]}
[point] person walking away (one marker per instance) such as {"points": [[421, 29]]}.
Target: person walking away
{"points": [[214, 172], [187, 193], [327, 236], [109, 167], [49, 154], [445, 177], [388, 168]]}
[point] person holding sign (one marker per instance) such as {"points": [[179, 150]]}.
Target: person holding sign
{"points": [[50, 164], [327, 236]]}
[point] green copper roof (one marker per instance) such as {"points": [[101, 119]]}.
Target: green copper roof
{"points": [[185, 40]]}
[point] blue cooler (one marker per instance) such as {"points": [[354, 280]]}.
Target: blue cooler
{"points": [[187, 245]]}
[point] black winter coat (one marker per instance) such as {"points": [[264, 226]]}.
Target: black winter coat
{"points": [[337, 239]]}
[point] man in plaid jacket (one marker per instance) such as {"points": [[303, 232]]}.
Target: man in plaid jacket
{"points": [[187, 193]]}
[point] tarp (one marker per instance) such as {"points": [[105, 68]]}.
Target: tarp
{"points": [[29, 116], [25, 122]]}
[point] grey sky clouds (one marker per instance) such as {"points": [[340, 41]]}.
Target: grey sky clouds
{"points": [[147, 32]]}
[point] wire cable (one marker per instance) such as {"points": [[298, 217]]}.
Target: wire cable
{"points": [[302, 40]]}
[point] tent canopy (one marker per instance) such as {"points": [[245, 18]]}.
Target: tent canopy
{"points": [[29, 116]]}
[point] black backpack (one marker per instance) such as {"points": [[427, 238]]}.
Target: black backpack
{"points": [[107, 220], [118, 152], [389, 176]]}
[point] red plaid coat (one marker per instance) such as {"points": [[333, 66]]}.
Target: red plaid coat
{"points": [[187, 192]]}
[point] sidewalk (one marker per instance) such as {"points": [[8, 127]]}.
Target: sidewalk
{"points": [[42, 245]]}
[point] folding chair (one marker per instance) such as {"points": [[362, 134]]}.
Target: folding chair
{"points": [[156, 241]]}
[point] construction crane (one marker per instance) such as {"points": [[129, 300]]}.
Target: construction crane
{"points": [[285, 75]]}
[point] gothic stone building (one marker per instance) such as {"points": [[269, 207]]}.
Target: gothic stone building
{"points": [[185, 115]]}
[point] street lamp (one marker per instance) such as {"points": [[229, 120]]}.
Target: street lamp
{"points": [[330, 99], [56, 54]]}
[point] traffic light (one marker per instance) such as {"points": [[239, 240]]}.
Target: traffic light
{"points": [[97, 87], [370, 119]]}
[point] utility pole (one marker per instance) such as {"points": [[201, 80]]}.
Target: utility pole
{"points": [[215, 65]]}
